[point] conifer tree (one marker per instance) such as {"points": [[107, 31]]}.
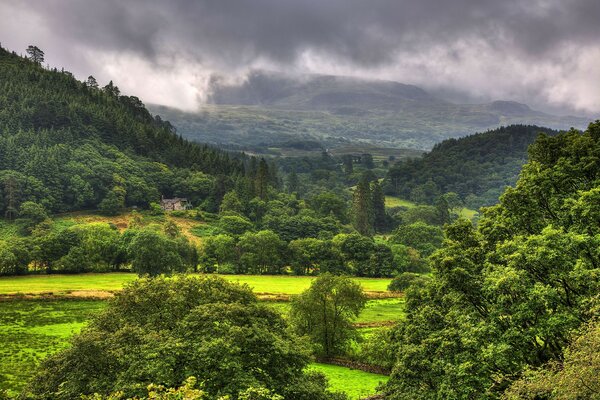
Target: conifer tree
{"points": [[362, 207], [378, 201], [261, 181]]}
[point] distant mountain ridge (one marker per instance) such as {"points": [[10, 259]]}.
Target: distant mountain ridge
{"points": [[267, 108]]}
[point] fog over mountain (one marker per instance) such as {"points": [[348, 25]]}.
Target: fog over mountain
{"points": [[268, 108], [542, 53]]}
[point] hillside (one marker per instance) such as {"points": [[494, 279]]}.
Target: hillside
{"points": [[477, 167], [267, 109], [72, 145]]}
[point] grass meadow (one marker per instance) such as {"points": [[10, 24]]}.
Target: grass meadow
{"points": [[33, 328], [355, 383], [109, 282]]}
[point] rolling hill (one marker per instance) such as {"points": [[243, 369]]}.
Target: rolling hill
{"points": [[477, 167], [268, 108]]}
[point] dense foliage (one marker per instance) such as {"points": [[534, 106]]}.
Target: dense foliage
{"points": [[510, 293], [477, 167], [163, 331]]}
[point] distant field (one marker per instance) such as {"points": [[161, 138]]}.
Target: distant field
{"points": [[63, 284], [392, 201], [357, 384]]}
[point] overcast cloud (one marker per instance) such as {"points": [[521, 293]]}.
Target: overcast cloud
{"points": [[542, 52]]}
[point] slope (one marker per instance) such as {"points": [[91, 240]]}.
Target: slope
{"points": [[477, 167], [70, 145]]}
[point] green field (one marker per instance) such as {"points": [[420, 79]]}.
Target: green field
{"points": [[33, 329], [376, 312], [357, 384], [30, 330], [61, 284]]}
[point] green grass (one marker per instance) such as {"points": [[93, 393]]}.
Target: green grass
{"points": [[375, 312], [355, 383], [392, 201], [57, 284], [285, 284], [31, 330]]}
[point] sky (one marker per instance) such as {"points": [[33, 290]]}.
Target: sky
{"points": [[545, 53]]}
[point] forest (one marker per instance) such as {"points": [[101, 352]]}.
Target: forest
{"points": [[500, 304]]}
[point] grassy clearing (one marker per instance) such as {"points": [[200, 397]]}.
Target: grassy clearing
{"points": [[392, 201], [63, 284], [357, 384], [31, 330]]}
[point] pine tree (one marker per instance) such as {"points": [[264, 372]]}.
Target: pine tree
{"points": [[378, 201], [261, 181], [347, 164], [293, 182], [363, 207]]}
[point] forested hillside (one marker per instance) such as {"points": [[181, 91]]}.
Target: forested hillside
{"points": [[70, 145], [477, 167]]}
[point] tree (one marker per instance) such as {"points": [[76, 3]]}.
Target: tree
{"points": [[235, 225], [113, 202], [231, 203], [329, 203], [31, 214], [166, 330], [347, 164], [506, 296], [362, 207], [35, 54], [378, 201], [293, 183], [325, 312], [420, 236], [151, 253], [367, 160], [261, 181], [219, 250], [261, 252], [91, 82], [575, 377]]}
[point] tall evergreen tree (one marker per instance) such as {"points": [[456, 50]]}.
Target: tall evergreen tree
{"points": [[347, 164], [362, 207], [292, 182], [261, 181], [378, 201]]}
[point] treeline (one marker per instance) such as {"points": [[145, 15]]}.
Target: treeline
{"points": [[97, 247], [478, 167]]}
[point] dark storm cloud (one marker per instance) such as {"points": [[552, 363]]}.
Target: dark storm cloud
{"points": [[357, 31], [361, 36]]}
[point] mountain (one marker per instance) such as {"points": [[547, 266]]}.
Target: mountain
{"points": [[71, 145], [268, 108], [476, 167]]}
